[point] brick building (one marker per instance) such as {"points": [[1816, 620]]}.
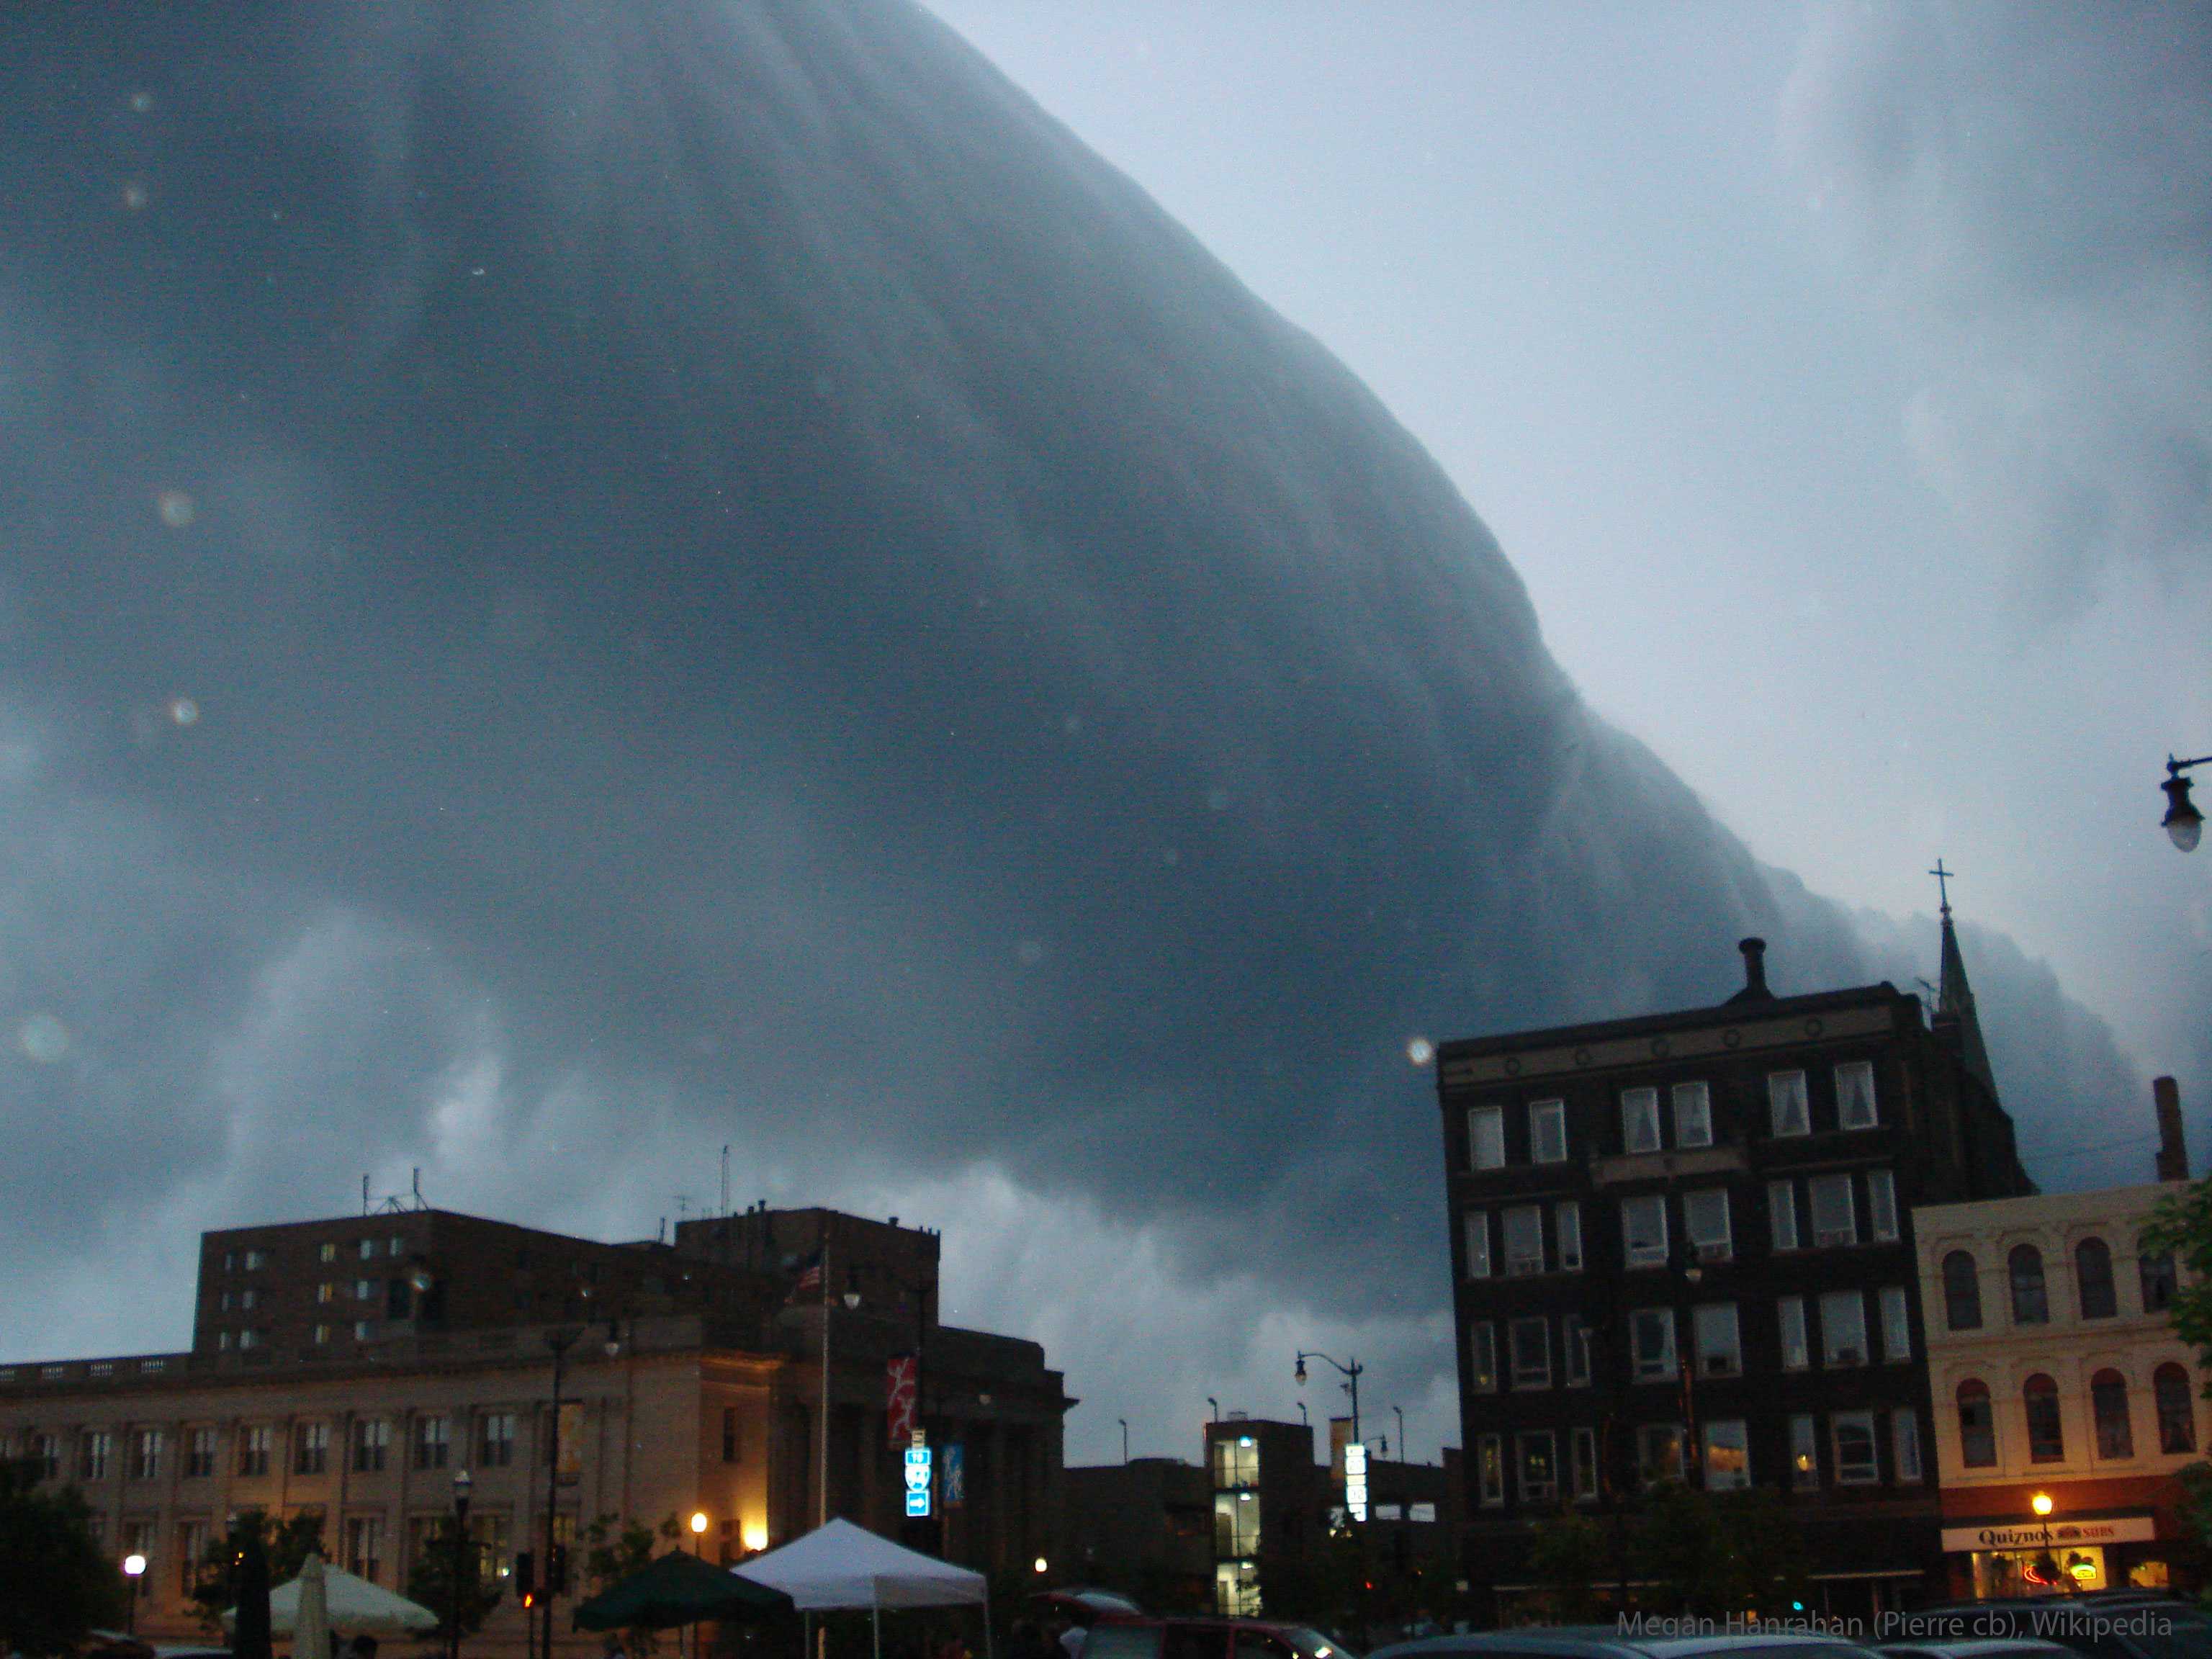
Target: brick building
{"points": [[691, 1381], [1682, 1251]]}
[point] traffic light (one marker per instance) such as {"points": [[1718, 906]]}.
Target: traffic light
{"points": [[556, 1570], [526, 1576]]}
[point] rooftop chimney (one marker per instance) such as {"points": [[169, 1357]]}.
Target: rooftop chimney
{"points": [[1755, 972], [2172, 1151]]}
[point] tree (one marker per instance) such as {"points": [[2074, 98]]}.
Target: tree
{"points": [[430, 1581], [1717, 1552], [55, 1581], [1569, 1556], [614, 1552], [287, 1543], [2181, 1223]]}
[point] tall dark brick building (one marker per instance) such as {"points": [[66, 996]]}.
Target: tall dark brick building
{"points": [[1681, 1247]]}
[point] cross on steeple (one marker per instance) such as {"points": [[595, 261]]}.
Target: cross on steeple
{"points": [[1943, 879]]}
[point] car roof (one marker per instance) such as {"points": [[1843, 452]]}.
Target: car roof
{"points": [[1582, 1639], [1968, 1647]]}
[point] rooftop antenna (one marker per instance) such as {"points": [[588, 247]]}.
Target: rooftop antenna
{"points": [[726, 1183], [419, 1203], [364, 1194]]}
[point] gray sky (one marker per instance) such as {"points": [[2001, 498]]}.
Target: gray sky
{"points": [[727, 584]]}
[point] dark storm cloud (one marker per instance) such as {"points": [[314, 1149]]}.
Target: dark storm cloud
{"points": [[2032, 187], [585, 570]]}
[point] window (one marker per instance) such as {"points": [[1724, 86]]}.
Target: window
{"points": [[1644, 1230], [1896, 1325], [363, 1330], [1237, 1590], [47, 1449], [191, 1545], [372, 1443], [364, 1289], [311, 1448], [1530, 1342], [1651, 1343], [1797, 1351], [322, 1335], [2156, 1268], [433, 1442], [249, 1339], [2177, 1408], [1478, 1244], [256, 1260], [1854, 1095], [1540, 1467], [1843, 1329], [327, 1251], [199, 1454], [1639, 1120], [1574, 1350], [1694, 1115], [254, 1443], [249, 1298], [1804, 1454], [395, 1247], [326, 1292], [1781, 1214], [1524, 1226], [1978, 1425], [2092, 1280], [2047, 1434], [1882, 1205], [1855, 1455], [368, 1250], [1905, 1446], [1236, 1461], [1962, 1292], [1728, 1455], [2029, 1304], [146, 1455], [1786, 1113], [1658, 1453], [1582, 1447], [1547, 1132], [1705, 1224], [138, 1539], [1236, 1523], [1482, 1357], [496, 1439], [2108, 1406], [93, 1448], [1835, 1220], [1485, 1137], [734, 1438], [1490, 1470], [1719, 1344], [365, 1546], [1567, 1234]]}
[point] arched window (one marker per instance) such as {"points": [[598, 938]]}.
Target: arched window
{"points": [[2158, 1279], [1978, 1425], [2030, 1306], [2092, 1280], [2177, 1408], [2108, 1404], [2046, 1435], [1962, 1292]]}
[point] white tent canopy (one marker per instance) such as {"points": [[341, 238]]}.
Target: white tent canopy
{"points": [[841, 1565], [354, 1607]]}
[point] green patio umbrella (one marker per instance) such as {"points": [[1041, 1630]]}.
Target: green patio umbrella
{"points": [[679, 1590]]}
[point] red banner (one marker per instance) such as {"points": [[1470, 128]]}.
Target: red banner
{"points": [[898, 1398]]}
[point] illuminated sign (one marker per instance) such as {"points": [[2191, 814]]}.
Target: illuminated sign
{"points": [[2058, 1535], [1355, 1479], [917, 1481]]}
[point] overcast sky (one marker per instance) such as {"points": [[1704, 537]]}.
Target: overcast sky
{"points": [[1018, 740]]}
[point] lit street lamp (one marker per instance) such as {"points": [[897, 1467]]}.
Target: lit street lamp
{"points": [[1351, 1373], [2183, 822], [461, 1483], [134, 1569]]}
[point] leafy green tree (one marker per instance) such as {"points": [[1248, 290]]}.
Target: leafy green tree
{"points": [[55, 1581], [1716, 1554], [287, 1543], [430, 1581], [1571, 1557], [613, 1551]]}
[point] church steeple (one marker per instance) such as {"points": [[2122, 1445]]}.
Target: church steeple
{"points": [[1955, 998]]}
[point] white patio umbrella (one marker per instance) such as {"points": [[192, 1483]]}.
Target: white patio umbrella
{"points": [[353, 1606], [839, 1566]]}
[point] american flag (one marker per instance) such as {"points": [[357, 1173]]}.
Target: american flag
{"points": [[809, 1279]]}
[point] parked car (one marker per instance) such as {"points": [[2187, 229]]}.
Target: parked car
{"points": [[2122, 1624], [1995, 1647], [1208, 1638], [1610, 1641]]}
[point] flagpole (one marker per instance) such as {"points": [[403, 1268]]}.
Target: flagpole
{"points": [[822, 1493]]}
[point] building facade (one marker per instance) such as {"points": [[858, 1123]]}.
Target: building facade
{"points": [[716, 1410], [2056, 1376], [1682, 1251], [1145, 1528]]}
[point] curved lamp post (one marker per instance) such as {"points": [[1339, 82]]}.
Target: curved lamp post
{"points": [[1351, 1373], [2182, 822]]}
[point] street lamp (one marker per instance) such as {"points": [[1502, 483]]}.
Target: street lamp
{"points": [[698, 1531], [2183, 822], [1350, 1372], [134, 1569], [461, 1485]]}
